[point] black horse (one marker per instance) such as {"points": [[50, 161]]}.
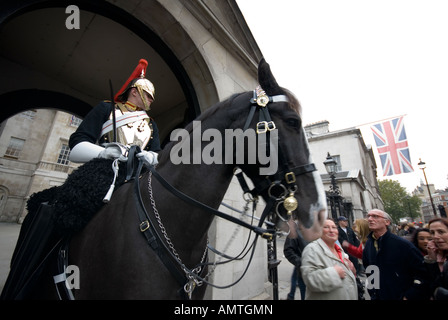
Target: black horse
{"points": [[112, 252]]}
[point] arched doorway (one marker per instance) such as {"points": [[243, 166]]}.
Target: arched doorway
{"points": [[46, 65], [23, 99], [198, 52], [40, 53]]}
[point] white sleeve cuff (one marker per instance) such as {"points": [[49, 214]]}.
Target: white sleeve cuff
{"points": [[84, 152]]}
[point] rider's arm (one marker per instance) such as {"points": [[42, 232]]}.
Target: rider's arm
{"points": [[83, 141], [154, 142]]}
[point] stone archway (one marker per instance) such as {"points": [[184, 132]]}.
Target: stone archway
{"points": [[198, 51], [22, 100], [40, 53]]}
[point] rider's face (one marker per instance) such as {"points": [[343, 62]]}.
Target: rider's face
{"points": [[148, 99], [137, 98]]}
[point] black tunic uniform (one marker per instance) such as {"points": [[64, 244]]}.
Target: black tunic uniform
{"points": [[90, 128]]}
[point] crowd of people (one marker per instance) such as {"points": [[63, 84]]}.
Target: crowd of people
{"points": [[411, 265]]}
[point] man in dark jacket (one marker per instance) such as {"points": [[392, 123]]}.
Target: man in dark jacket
{"points": [[292, 250], [394, 266]]}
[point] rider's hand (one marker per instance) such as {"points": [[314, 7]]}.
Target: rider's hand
{"points": [[112, 151], [149, 158]]}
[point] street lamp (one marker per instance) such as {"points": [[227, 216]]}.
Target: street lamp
{"points": [[334, 194], [330, 164], [422, 165]]}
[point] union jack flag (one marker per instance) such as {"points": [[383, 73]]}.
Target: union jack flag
{"points": [[392, 144]]}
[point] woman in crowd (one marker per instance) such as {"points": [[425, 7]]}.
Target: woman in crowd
{"points": [[361, 228], [326, 269], [437, 258], [420, 239]]}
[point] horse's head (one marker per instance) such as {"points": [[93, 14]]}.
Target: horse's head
{"points": [[284, 169]]}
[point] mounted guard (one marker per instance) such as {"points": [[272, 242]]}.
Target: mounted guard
{"points": [[133, 125], [113, 132]]}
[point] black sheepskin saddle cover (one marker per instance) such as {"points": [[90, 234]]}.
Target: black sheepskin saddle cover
{"points": [[81, 196]]}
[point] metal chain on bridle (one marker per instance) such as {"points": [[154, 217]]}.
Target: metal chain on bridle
{"points": [[193, 275]]}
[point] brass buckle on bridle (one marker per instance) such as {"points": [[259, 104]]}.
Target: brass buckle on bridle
{"points": [[144, 226], [290, 177], [265, 126]]}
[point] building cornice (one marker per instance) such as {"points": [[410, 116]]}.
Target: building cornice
{"points": [[205, 15]]}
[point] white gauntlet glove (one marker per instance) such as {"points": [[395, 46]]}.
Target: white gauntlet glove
{"points": [[86, 151], [149, 158], [113, 151]]}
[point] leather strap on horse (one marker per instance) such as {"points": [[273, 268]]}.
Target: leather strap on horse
{"points": [[264, 184], [159, 246], [265, 125], [133, 150], [154, 240], [265, 233]]}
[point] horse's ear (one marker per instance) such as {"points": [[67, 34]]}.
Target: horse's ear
{"points": [[266, 79]]}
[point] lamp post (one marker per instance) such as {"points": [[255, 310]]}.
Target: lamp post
{"points": [[422, 165], [334, 193], [409, 205]]}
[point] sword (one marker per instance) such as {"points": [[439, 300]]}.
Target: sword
{"points": [[108, 195], [112, 107]]}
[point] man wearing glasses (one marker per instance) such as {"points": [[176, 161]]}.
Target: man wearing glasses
{"points": [[397, 260]]}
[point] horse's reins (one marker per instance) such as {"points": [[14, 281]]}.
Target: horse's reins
{"points": [[159, 246], [287, 175]]}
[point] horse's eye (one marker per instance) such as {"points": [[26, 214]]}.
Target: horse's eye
{"points": [[292, 122]]}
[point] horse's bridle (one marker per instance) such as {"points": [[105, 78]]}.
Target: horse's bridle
{"points": [[284, 178]]}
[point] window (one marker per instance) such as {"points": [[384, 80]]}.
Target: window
{"points": [[3, 198], [75, 121], [29, 114], [63, 155], [14, 148], [338, 163]]}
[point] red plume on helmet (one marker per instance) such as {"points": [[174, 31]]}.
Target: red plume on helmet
{"points": [[139, 72]]}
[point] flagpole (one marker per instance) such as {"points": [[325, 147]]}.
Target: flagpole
{"points": [[377, 121]]}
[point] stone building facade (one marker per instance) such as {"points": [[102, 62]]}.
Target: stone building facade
{"points": [[439, 199], [34, 156], [54, 59], [357, 174]]}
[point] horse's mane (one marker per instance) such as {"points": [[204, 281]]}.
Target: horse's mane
{"points": [[294, 104], [164, 154]]}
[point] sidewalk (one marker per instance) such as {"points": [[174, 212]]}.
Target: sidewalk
{"points": [[285, 269], [9, 232]]}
